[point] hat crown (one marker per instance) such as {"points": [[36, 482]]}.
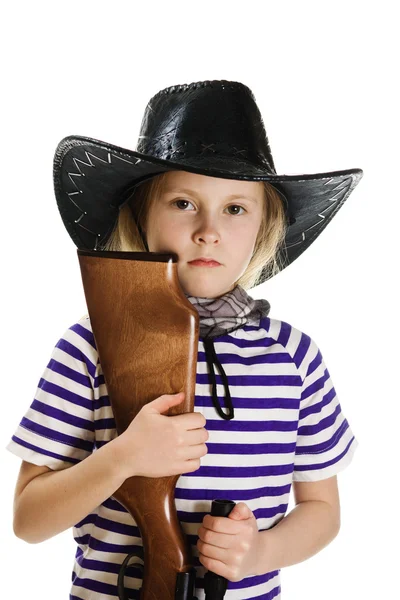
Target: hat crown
{"points": [[205, 118]]}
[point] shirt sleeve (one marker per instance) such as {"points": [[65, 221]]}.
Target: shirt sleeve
{"points": [[57, 430], [325, 442]]}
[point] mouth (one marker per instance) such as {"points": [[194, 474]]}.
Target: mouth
{"points": [[204, 263]]}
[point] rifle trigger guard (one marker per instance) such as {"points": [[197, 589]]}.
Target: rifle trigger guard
{"points": [[121, 575]]}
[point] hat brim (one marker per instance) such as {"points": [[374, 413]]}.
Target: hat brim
{"points": [[92, 178]]}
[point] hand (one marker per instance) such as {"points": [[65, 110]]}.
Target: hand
{"points": [[157, 445], [229, 546]]}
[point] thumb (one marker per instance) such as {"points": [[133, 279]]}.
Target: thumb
{"points": [[240, 511], [164, 402]]}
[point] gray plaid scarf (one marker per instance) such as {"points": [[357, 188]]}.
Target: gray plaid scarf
{"points": [[219, 316]]}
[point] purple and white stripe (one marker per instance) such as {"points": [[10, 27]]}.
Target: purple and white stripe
{"points": [[288, 426]]}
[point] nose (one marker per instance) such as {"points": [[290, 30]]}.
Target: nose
{"points": [[207, 229]]}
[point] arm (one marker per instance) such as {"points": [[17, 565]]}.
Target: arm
{"points": [[56, 500], [307, 529]]}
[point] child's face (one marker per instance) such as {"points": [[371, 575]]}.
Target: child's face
{"points": [[206, 223]]}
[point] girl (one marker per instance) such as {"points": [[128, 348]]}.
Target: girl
{"points": [[202, 184]]}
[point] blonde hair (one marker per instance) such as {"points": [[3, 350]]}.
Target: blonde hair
{"points": [[126, 235]]}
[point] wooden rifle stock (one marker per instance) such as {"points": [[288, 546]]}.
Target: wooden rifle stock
{"points": [[146, 333]]}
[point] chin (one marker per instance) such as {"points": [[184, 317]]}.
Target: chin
{"points": [[197, 289], [205, 290]]}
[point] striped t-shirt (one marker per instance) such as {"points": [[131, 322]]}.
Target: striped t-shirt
{"points": [[288, 426]]}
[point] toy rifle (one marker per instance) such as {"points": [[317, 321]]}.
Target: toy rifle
{"points": [[146, 333]]}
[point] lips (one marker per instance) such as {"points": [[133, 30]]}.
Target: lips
{"points": [[205, 263], [203, 259]]}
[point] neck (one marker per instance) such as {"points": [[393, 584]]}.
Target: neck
{"points": [[219, 316]]}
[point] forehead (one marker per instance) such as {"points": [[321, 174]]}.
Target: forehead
{"points": [[183, 180]]}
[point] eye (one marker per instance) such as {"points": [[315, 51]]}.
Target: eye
{"points": [[230, 206]]}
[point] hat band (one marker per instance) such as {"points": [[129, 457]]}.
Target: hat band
{"points": [[193, 148]]}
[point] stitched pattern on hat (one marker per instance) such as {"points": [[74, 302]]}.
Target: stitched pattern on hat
{"points": [[223, 83], [338, 199], [82, 174]]}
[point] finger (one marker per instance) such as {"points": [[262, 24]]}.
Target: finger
{"points": [[219, 540], [195, 436], [191, 420], [164, 402], [194, 451], [211, 551], [218, 567], [241, 510], [222, 524]]}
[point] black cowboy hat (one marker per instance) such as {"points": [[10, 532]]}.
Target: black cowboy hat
{"points": [[211, 128]]}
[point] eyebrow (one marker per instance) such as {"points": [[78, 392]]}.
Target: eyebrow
{"points": [[193, 193]]}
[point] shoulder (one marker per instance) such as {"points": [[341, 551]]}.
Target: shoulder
{"points": [[301, 347], [78, 341]]}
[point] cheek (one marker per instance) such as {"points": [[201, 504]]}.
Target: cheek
{"points": [[167, 233], [176, 231], [160, 225], [243, 237], [168, 221]]}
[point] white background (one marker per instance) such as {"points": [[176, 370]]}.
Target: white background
{"points": [[324, 76]]}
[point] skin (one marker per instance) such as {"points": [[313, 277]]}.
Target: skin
{"points": [[203, 221]]}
